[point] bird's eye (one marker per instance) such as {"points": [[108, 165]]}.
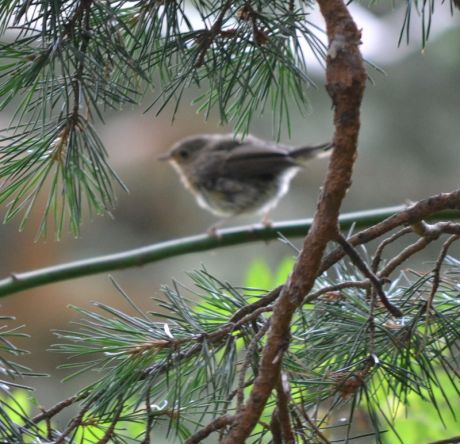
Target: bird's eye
{"points": [[183, 154]]}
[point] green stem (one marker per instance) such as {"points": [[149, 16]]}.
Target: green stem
{"points": [[140, 256]]}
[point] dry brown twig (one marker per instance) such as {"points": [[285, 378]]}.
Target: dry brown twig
{"points": [[250, 349], [301, 408], [411, 216], [373, 279], [379, 250], [113, 423], [282, 409], [213, 426], [453, 440], [435, 285], [437, 271]]}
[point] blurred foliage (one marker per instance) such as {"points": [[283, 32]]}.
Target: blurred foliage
{"points": [[419, 421], [260, 277]]}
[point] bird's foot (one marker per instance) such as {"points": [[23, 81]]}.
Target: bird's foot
{"points": [[212, 231], [266, 221]]}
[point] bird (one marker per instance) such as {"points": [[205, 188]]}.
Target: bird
{"points": [[231, 176]]}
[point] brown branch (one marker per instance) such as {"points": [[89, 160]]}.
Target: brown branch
{"points": [[249, 355], [437, 271], [312, 424], [262, 302], [371, 321], [209, 35], [346, 80], [405, 254], [434, 287], [378, 252], [413, 214], [74, 423], [214, 336], [275, 428], [149, 419], [429, 233], [113, 423], [53, 411], [335, 288], [282, 407], [82, 16], [376, 282], [214, 426], [452, 440]]}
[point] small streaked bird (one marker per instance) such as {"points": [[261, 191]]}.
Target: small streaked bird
{"points": [[230, 176]]}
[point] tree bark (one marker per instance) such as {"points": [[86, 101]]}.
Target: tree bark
{"points": [[346, 78]]}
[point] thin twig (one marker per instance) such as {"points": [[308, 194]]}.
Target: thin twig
{"points": [[233, 393], [53, 411], [378, 252], [299, 429], [149, 418], [208, 36], [423, 210], [109, 432], [452, 440], [247, 361], [179, 355], [312, 424], [371, 320], [405, 254], [74, 423], [213, 426], [262, 302], [435, 285], [331, 288], [282, 404], [362, 266], [428, 234], [214, 336], [437, 271]]}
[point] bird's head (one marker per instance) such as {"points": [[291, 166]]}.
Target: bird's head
{"points": [[186, 151]]}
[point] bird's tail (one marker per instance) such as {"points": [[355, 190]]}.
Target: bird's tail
{"points": [[305, 153]]}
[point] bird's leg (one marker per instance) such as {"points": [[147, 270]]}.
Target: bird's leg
{"points": [[212, 230], [266, 221]]}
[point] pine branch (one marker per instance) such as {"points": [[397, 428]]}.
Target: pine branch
{"points": [[188, 359], [233, 236]]}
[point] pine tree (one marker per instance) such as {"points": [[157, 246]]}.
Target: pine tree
{"points": [[338, 335]]}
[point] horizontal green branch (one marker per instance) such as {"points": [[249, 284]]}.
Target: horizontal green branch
{"points": [[140, 256]]}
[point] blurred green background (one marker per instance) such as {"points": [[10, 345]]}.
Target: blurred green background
{"points": [[409, 148]]}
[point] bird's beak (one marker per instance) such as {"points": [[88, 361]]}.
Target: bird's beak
{"points": [[165, 156]]}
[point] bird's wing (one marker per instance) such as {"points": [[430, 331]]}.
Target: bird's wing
{"points": [[250, 160]]}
